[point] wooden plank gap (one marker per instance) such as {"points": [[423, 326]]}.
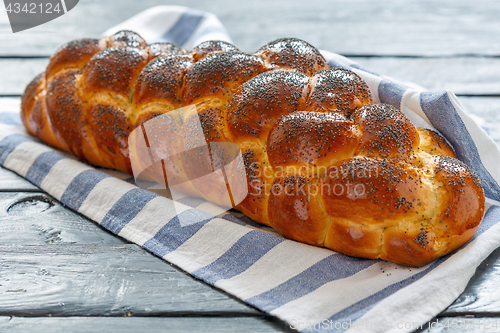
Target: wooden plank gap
{"points": [[20, 56], [478, 95], [470, 314], [422, 56], [145, 325], [131, 314], [14, 190]]}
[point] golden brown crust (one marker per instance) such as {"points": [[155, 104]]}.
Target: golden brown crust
{"points": [[218, 75], [354, 238], [294, 54], [459, 210], [260, 178], [375, 191], [114, 127], [322, 164], [114, 70], [34, 113], [73, 55], [385, 132], [165, 138], [65, 110], [296, 211], [338, 90], [463, 197], [260, 102], [212, 46], [31, 120], [126, 38], [161, 81], [45, 131]]}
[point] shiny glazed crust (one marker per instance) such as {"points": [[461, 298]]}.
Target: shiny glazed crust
{"points": [[324, 165]]}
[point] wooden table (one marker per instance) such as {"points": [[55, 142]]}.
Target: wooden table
{"points": [[59, 271]]}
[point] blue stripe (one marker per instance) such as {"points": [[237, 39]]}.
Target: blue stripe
{"points": [[243, 254], [126, 208], [80, 187], [177, 231], [10, 118], [334, 267], [391, 93], [42, 166], [185, 26], [443, 116], [357, 310], [9, 143]]}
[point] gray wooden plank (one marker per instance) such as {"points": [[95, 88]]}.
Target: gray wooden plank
{"points": [[102, 280], [462, 75], [482, 295], [393, 27], [487, 108], [37, 219], [144, 325], [15, 74], [9, 181], [462, 324]]}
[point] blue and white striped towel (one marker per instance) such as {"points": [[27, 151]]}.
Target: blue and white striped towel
{"points": [[311, 288]]}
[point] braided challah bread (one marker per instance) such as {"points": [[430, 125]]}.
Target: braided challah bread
{"points": [[324, 165]]}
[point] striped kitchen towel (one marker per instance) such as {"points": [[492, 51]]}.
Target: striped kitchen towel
{"points": [[313, 289]]}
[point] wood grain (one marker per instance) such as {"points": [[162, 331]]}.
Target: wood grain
{"points": [[482, 295], [9, 181], [102, 280], [361, 27], [461, 324], [145, 325], [37, 219]]}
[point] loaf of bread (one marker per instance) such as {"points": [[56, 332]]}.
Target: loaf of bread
{"points": [[324, 165]]}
